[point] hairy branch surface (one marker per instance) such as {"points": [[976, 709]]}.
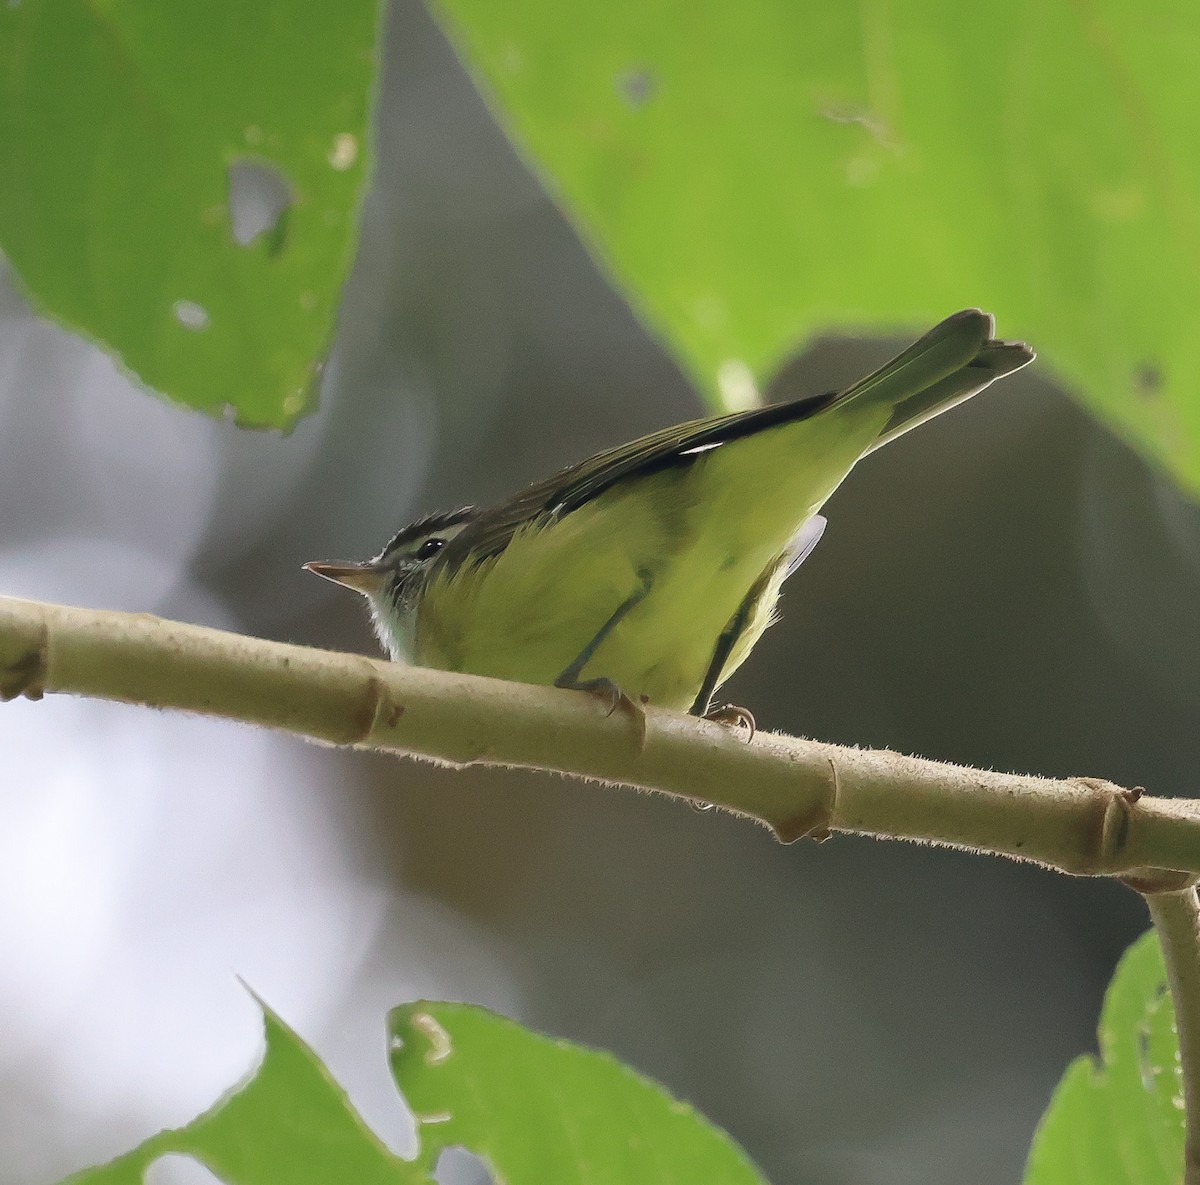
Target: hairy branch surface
{"points": [[796, 787]]}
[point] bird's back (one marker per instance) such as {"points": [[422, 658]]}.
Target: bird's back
{"points": [[697, 514]]}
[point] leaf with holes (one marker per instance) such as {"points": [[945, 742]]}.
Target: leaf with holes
{"points": [[755, 173], [544, 1112], [181, 182], [289, 1125], [1120, 1121]]}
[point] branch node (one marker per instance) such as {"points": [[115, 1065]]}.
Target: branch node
{"points": [[390, 711], [375, 708], [1111, 833], [1150, 882], [24, 673], [816, 823]]}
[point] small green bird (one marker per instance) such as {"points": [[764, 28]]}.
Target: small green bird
{"points": [[648, 572]]}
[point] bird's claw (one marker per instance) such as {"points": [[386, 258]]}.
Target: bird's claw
{"points": [[734, 716], [610, 693]]}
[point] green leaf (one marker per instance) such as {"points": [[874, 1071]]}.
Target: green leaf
{"points": [[545, 1112], [540, 1112], [120, 123], [754, 173], [1122, 1120], [289, 1125]]}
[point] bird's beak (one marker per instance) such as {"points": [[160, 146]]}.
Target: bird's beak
{"points": [[366, 578]]}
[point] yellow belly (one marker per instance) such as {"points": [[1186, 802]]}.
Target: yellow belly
{"points": [[701, 535]]}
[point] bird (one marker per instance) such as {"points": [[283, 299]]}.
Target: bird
{"points": [[647, 573]]}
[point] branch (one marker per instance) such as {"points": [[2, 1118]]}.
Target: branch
{"points": [[796, 787], [1177, 920]]}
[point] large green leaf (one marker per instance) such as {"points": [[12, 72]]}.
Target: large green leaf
{"points": [[540, 1112], [1120, 1121], [546, 1112], [289, 1125], [120, 122], [759, 171]]}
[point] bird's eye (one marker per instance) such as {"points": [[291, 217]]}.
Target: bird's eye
{"points": [[430, 548]]}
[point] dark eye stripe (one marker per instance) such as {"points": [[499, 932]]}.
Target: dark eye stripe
{"points": [[423, 527]]}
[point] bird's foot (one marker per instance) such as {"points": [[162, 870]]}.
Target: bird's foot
{"points": [[609, 693], [733, 716]]}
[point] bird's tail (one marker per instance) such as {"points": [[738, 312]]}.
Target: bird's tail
{"points": [[953, 361]]}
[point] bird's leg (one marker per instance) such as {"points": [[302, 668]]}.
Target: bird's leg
{"points": [[703, 706], [604, 687]]}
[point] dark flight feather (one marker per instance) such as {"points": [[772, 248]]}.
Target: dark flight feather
{"points": [[960, 357]]}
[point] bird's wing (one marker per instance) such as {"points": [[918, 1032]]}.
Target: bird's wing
{"points": [[953, 360], [575, 486]]}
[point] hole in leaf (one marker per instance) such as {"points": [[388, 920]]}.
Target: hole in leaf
{"points": [[190, 315], [259, 201], [344, 151], [457, 1166], [176, 1169], [637, 87]]}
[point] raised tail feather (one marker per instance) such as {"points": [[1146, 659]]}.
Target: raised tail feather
{"points": [[953, 361]]}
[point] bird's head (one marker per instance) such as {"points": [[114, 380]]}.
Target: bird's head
{"points": [[393, 581]]}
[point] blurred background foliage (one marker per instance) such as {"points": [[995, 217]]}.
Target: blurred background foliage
{"points": [[1009, 587]]}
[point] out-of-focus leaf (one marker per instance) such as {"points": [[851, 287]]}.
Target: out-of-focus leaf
{"points": [[1120, 1121], [546, 1112], [754, 173], [124, 126], [289, 1125]]}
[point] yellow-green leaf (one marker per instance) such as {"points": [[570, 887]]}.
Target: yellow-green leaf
{"points": [[1120, 1120], [754, 173]]}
